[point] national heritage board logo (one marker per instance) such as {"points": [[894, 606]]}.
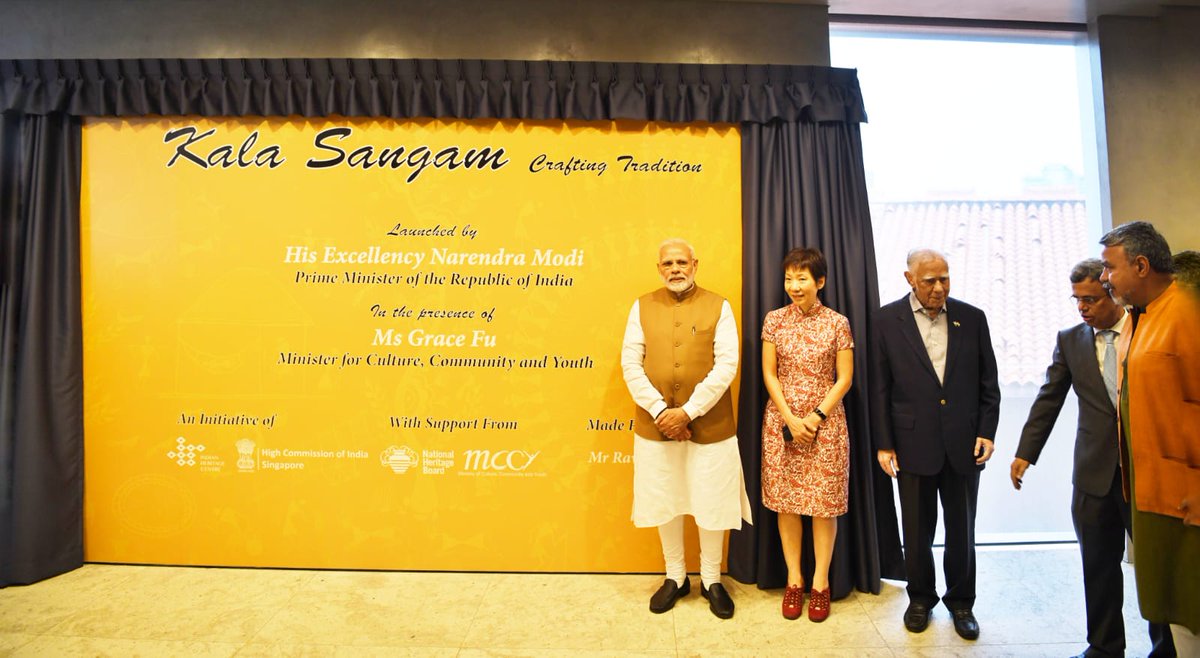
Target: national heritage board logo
{"points": [[399, 459]]}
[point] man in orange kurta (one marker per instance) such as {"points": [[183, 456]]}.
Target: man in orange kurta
{"points": [[1160, 420]]}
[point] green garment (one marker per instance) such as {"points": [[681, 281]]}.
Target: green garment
{"points": [[1166, 556]]}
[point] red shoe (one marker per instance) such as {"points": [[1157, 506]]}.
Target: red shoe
{"points": [[818, 605], [793, 601]]}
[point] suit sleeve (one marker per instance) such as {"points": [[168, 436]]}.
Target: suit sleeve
{"points": [[1046, 405], [989, 383], [881, 387]]}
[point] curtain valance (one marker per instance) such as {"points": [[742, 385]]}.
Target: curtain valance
{"points": [[416, 88]]}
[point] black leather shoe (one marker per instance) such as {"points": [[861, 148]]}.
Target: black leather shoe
{"points": [[916, 618], [666, 596], [718, 600], [966, 625]]}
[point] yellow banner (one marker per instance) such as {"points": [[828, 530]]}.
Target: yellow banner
{"points": [[378, 344]]}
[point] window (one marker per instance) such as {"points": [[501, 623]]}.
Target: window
{"points": [[979, 146]]}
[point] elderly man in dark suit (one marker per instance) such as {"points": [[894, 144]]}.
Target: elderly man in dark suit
{"points": [[1085, 358], [935, 404]]}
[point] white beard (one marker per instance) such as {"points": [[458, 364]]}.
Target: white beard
{"points": [[679, 286]]}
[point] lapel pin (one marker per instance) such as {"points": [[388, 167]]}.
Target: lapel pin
{"points": [[957, 324]]}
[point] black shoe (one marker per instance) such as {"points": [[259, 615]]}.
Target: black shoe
{"points": [[718, 600], [666, 596], [916, 618], [966, 625]]}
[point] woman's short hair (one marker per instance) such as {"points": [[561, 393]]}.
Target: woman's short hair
{"points": [[806, 258]]}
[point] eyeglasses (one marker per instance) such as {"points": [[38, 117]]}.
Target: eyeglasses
{"points": [[1087, 300]]}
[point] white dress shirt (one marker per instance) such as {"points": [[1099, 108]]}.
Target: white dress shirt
{"points": [[934, 333]]}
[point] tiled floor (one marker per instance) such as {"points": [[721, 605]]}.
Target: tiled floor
{"points": [[1030, 604]]}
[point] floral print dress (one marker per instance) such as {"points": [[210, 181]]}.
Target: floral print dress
{"points": [[810, 480]]}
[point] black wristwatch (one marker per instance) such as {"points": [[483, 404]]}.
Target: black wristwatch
{"points": [[820, 414]]}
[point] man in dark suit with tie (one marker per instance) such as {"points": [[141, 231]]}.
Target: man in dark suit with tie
{"points": [[935, 404], [1085, 358]]}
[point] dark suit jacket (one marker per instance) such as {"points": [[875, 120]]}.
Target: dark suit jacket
{"points": [[1075, 365], [924, 421]]}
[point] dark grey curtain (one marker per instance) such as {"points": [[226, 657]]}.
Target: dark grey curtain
{"points": [[803, 185], [41, 352]]}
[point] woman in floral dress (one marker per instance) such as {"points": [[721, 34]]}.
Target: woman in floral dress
{"points": [[808, 362]]}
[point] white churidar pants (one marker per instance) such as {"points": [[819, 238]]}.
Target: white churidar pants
{"points": [[676, 478]]}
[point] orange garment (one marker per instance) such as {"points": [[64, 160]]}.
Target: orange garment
{"points": [[1163, 376]]}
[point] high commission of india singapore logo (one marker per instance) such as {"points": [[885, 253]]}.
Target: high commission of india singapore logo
{"points": [[399, 459], [245, 449]]}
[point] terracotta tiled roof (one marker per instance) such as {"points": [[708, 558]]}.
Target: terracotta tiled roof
{"points": [[1010, 258]]}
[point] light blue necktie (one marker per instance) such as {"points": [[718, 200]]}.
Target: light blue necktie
{"points": [[1110, 363]]}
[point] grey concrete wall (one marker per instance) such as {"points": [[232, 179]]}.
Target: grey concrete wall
{"points": [[1150, 68], [691, 31]]}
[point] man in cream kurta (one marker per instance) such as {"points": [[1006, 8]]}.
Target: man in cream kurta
{"points": [[679, 356]]}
